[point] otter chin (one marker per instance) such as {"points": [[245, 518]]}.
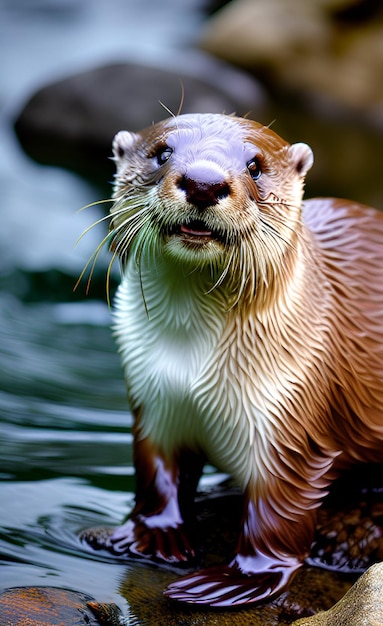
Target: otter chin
{"points": [[250, 327]]}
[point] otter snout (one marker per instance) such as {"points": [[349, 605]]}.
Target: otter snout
{"points": [[204, 184]]}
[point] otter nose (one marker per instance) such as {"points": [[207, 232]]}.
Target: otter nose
{"points": [[204, 182], [202, 193]]}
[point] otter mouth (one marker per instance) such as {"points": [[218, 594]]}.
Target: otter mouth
{"points": [[196, 231]]}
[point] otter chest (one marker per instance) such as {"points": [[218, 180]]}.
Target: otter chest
{"points": [[180, 372], [168, 330]]}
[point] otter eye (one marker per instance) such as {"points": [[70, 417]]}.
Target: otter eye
{"points": [[163, 154], [120, 152], [254, 168]]}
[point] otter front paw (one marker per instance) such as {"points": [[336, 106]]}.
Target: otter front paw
{"points": [[140, 538], [246, 580]]}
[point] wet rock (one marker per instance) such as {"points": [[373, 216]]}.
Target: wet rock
{"points": [[50, 606], [362, 605], [72, 122], [312, 590], [349, 532]]}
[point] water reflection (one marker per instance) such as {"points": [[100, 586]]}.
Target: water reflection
{"points": [[63, 412], [39, 542]]}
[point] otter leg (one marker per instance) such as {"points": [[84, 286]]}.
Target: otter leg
{"points": [[270, 549], [158, 527]]}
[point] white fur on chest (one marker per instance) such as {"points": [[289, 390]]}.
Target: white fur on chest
{"points": [[190, 383]]}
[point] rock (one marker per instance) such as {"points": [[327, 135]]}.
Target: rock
{"points": [[72, 122], [269, 32], [329, 50], [362, 605], [51, 606]]}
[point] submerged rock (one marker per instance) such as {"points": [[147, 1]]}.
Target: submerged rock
{"points": [[50, 606]]}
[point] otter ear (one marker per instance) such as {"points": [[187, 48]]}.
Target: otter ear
{"points": [[301, 157], [123, 143]]}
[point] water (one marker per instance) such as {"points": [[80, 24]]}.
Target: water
{"points": [[65, 443]]}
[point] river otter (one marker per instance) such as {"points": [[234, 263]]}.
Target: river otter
{"points": [[250, 327]]}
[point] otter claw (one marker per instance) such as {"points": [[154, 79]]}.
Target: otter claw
{"points": [[217, 587], [170, 545], [227, 586]]}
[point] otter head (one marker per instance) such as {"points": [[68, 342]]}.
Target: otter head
{"points": [[210, 191]]}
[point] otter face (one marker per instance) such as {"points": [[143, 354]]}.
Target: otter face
{"points": [[208, 190]]}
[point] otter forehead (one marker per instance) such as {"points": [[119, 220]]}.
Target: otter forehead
{"points": [[226, 127], [223, 139]]}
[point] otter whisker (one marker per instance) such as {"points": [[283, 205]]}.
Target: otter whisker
{"points": [[147, 244], [92, 260], [268, 201], [276, 234], [124, 240], [175, 115], [108, 276], [112, 235], [279, 217], [122, 246], [243, 273], [89, 228], [224, 272], [95, 203]]}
